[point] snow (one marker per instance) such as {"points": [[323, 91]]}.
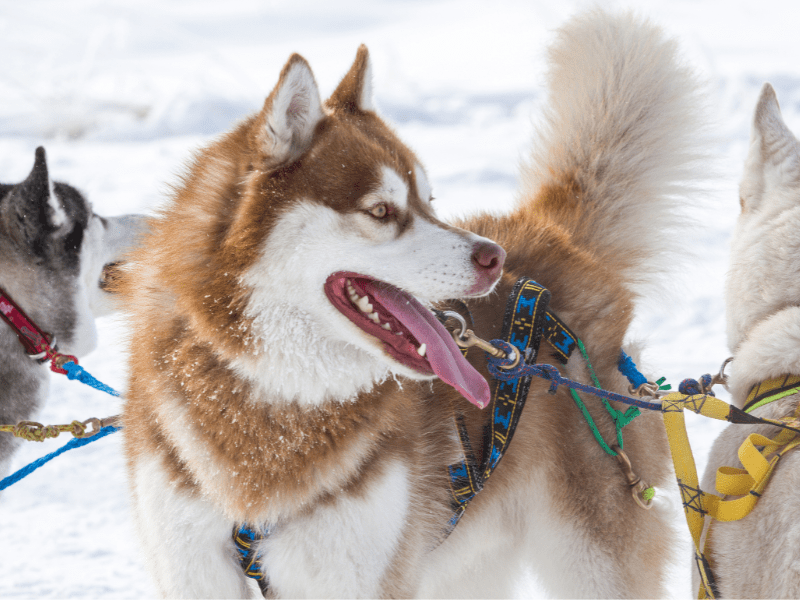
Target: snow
{"points": [[121, 93]]}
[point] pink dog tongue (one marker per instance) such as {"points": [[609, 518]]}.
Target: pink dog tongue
{"points": [[443, 354]]}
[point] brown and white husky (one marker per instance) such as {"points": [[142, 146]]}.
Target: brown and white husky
{"points": [[286, 370]]}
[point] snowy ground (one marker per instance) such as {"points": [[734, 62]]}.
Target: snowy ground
{"points": [[120, 94]]}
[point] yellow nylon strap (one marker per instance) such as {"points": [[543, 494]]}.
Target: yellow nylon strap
{"points": [[769, 390], [702, 404], [748, 482], [692, 497]]}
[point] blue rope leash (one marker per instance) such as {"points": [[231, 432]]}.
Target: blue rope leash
{"points": [[552, 374], [74, 372], [77, 372], [72, 444]]}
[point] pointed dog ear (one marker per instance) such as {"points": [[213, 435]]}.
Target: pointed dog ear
{"points": [[286, 124], [354, 93], [774, 155], [32, 209]]}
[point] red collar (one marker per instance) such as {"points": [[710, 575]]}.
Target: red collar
{"points": [[38, 345]]}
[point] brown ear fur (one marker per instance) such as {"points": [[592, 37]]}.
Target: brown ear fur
{"points": [[354, 93]]}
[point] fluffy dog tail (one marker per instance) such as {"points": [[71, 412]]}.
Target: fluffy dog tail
{"points": [[620, 132]]}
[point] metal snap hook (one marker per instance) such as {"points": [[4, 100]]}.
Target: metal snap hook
{"points": [[466, 338]]}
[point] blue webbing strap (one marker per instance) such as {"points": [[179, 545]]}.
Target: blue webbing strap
{"points": [[245, 540], [525, 321]]}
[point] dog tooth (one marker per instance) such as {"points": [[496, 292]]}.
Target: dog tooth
{"points": [[398, 333], [387, 327], [364, 305], [422, 349], [373, 317]]}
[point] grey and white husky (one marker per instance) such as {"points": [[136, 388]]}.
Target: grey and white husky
{"points": [[56, 256]]}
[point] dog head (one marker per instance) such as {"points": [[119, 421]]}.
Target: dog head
{"points": [[334, 236], [765, 253], [57, 255]]}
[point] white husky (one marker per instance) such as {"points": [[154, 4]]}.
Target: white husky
{"points": [[759, 556]]}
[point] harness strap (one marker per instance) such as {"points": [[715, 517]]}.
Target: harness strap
{"points": [[692, 497], [770, 390], [749, 482], [525, 322], [245, 540], [33, 339], [37, 344], [523, 327]]}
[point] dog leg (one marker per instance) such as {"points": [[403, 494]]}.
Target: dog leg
{"points": [[187, 542], [575, 562], [485, 567]]}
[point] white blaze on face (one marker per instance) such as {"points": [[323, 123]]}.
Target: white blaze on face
{"points": [[59, 217], [101, 245], [392, 190]]}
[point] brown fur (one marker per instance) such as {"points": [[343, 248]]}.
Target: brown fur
{"points": [[590, 297]]}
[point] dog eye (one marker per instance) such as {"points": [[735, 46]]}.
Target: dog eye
{"points": [[380, 211]]}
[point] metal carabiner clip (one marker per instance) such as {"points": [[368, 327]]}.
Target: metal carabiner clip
{"points": [[466, 338]]}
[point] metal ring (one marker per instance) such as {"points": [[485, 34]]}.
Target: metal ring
{"points": [[517, 355], [648, 388], [451, 314], [96, 424], [721, 377]]}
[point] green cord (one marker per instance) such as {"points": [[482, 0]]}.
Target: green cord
{"points": [[662, 386], [589, 364], [620, 418], [590, 421]]}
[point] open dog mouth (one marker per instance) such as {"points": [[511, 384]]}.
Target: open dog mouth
{"points": [[408, 331]]}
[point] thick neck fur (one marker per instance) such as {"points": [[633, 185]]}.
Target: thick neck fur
{"points": [[266, 459], [771, 349], [292, 360]]}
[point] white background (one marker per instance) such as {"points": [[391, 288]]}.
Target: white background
{"points": [[121, 93]]}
